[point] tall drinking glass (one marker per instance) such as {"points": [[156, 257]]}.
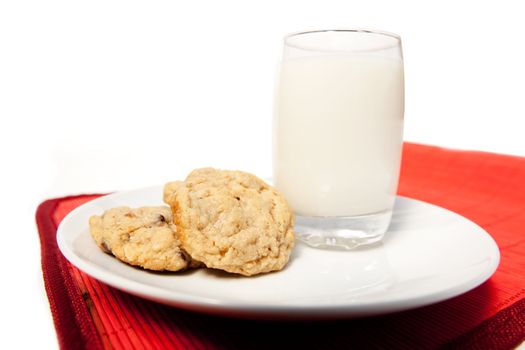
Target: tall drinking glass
{"points": [[338, 133]]}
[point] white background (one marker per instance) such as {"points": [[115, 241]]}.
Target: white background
{"points": [[106, 95]]}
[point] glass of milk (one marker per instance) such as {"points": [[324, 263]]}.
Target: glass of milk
{"points": [[338, 133]]}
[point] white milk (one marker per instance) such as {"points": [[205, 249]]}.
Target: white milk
{"points": [[338, 133]]}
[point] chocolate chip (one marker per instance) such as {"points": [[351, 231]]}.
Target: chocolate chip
{"points": [[105, 247], [162, 218]]}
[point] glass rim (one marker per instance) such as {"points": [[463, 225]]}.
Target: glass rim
{"points": [[394, 36]]}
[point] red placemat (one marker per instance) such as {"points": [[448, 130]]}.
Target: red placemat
{"points": [[489, 189]]}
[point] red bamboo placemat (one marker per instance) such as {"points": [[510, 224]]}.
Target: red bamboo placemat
{"points": [[489, 189]]}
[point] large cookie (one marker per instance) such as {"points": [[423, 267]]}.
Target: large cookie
{"points": [[232, 220], [143, 237]]}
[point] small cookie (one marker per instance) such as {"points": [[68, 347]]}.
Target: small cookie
{"points": [[232, 220], [143, 237]]}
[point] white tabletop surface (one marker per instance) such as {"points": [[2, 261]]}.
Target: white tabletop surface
{"points": [[111, 95]]}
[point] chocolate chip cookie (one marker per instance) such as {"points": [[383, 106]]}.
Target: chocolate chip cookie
{"points": [[144, 237], [232, 220]]}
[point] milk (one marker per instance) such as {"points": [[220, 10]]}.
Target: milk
{"points": [[338, 133]]}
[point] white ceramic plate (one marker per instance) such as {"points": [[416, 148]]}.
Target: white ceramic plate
{"points": [[429, 254]]}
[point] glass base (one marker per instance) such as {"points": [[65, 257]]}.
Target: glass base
{"points": [[342, 232]]}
